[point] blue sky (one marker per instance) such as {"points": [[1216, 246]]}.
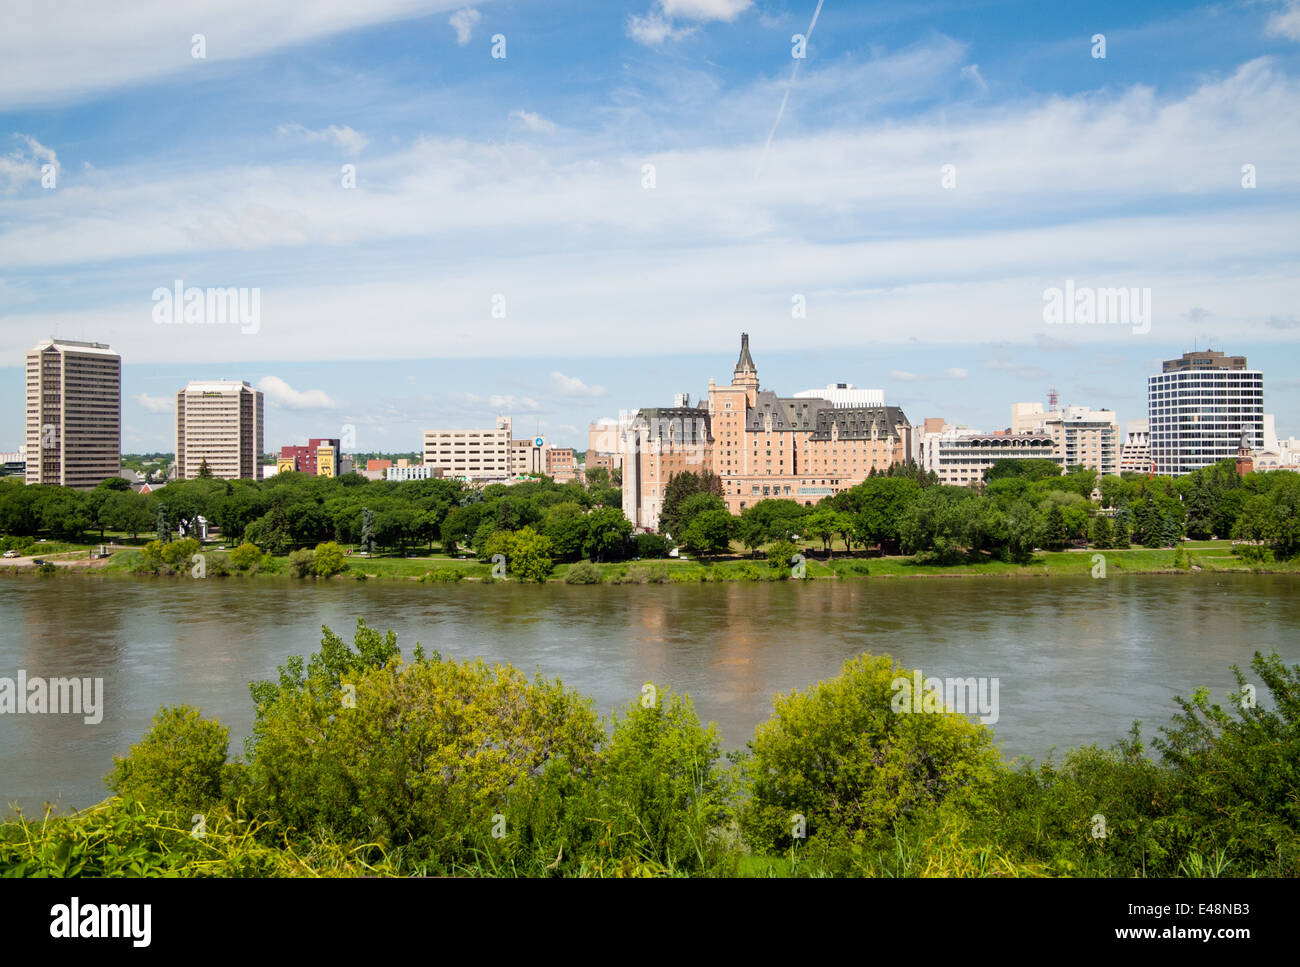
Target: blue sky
{"points": [[520, 182]]}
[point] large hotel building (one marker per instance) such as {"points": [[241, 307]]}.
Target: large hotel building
{"points": [[219, 422], [802, 447], [1199, 406], [74, 413]]}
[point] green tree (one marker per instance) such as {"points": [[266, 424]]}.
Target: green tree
{"points": [[1101, 532], [565, 525], [529, 557], [680, 488], [824, 523], [709, 533], [608, 533]]}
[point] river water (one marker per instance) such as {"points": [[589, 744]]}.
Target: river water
{"points": [[1076, 660]]}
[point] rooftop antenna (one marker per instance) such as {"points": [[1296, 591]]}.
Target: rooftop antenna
{"points": [[1052, 398]]}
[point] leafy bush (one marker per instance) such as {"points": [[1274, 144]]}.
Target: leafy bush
{"points": [[328, 560], [1253, 553], [779, 556], [651, 545], [302, 562], [178, 555], [661, 793], [444, 575], [583, 572], [839, 755], [177, 765], [645, 574], [245, 557], [417, 757]]}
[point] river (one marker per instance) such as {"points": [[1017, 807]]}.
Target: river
{"points": [[1075, 660]]}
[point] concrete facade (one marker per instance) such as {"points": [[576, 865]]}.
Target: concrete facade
{"points": [[220, 423], [73, 414]]}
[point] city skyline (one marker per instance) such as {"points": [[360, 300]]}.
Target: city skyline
{"points": [[294, 415]]}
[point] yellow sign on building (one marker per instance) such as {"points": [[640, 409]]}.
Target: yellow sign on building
{"points": [[284, 464], [325, 462]]}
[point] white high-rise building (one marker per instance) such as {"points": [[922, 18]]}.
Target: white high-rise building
{"points": [[73, 413], [219, 422], [1199, 406]]}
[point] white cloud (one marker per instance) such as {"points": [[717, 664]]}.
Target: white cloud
{"points": [[278, 391], [903, 376], [24, 163], [509, 402], [533, 122], [155, 404], [653, 29], [1286, 23], [704, 9], [972, 71], [464, 21], [101, 46], [572, 386], [956, 372], [562, 225], [657, 25], [344, 138]]}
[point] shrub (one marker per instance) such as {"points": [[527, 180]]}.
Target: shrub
{"points": [[750, 572], [151, 558], [328, 560], [584, 572], [839, 755], [651, 545], [46, 567], [443, 575], [245, 557], [645, 574], [302, 562], [1253, 553], [779, 555], [178, 555], [177, 765], [422, 756], [661, 795]]}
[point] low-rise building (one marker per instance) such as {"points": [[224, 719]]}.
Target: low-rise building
{"points": [[471, 454], [962, 459]]}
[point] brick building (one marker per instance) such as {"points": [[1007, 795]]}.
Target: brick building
{"points": [[762, 445]]}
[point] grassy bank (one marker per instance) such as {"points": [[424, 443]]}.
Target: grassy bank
{"points": [[1202, 556]]}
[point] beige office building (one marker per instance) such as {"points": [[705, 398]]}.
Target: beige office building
{"points": [[473, 454], [219, 422], [1083, 437], [74, 413]]}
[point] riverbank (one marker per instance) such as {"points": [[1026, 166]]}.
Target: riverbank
{"points": [[1195, 557]]}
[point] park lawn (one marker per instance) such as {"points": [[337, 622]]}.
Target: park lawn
{"points": [[1080, 563]]}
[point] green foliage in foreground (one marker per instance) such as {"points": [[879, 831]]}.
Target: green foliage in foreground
{"points": [[363, 763]]}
